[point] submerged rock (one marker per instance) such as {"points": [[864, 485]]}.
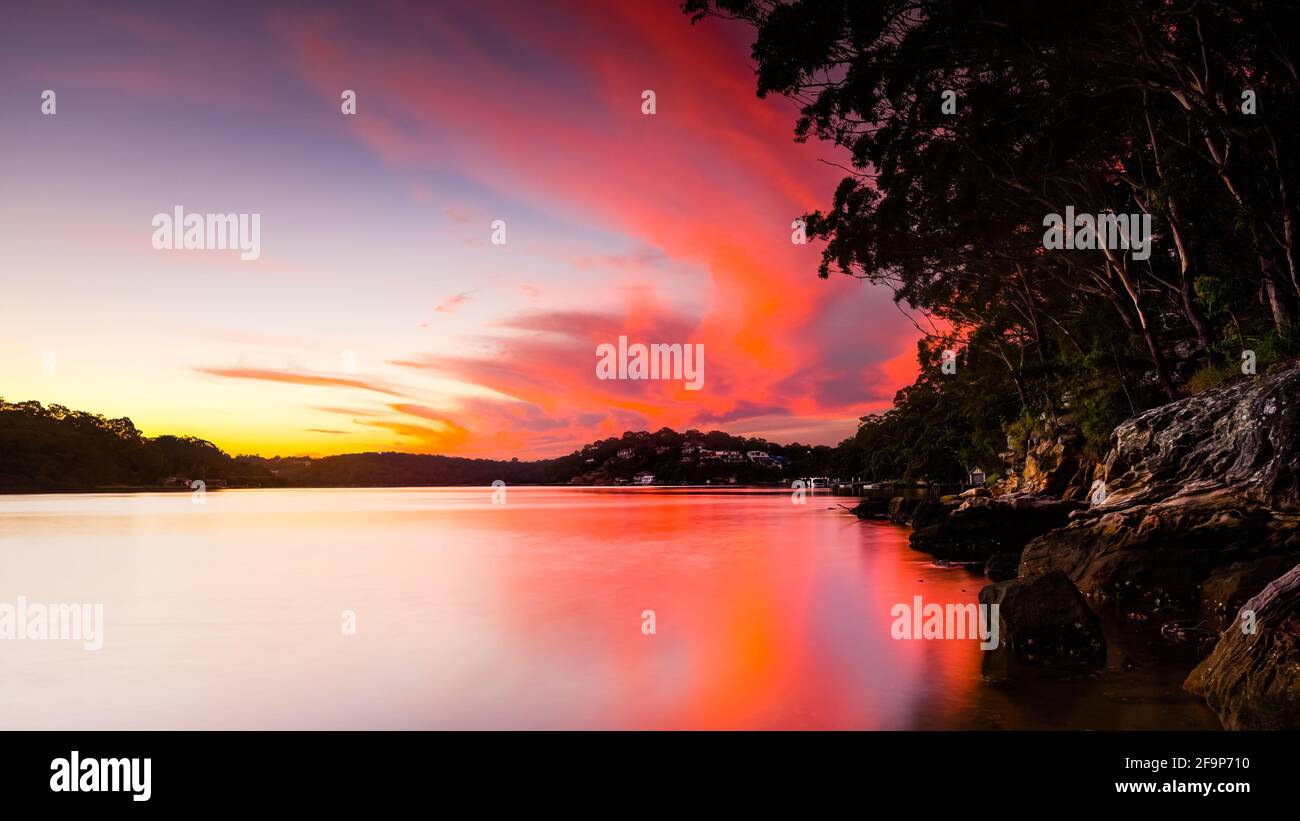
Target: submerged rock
{"points": [[1252, 680], [1043, 621]]}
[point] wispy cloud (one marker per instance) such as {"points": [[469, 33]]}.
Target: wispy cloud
{"points": [[301, 378]]}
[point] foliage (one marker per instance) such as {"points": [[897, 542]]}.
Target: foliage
{"points": [[1105, 106]]}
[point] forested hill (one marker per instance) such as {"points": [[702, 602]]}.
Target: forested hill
{"points": [[56, 449]]}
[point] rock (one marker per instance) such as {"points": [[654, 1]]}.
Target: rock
{"points": [[1043, 621], [1048, 461], [1252, 680], [1157, 555], [982, 526], [1186, 489], [871, 508], [973, 492], [1002, 566], [927, 512], [1240, 436], [900, 509], [1231, 586]]}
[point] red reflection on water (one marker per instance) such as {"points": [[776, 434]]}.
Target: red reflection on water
{"points": [[768, 614]]}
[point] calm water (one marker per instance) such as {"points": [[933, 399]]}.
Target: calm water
{"points": [[521, 615]]}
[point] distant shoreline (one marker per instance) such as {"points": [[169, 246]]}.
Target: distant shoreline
{"points": [[151, 489]]}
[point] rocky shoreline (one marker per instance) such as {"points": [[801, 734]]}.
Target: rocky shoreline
{"points": [[1190, 521]]}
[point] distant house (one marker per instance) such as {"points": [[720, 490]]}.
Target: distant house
{"points": [[977, 477], [644, 478], [758, 456], [662, 449], [626, 453], [732, 456], [590, 461]]}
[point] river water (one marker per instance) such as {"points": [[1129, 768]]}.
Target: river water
{"points": [[451, 608]]}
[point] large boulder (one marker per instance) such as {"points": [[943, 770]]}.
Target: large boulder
{"points": [[980, 527], [1043, 621], [1252, 679], [1184, 490]]}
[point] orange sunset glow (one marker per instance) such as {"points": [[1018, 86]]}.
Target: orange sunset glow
{"points": [[380, 315]]}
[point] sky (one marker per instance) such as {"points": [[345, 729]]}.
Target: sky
{"points": [[380, 314]]}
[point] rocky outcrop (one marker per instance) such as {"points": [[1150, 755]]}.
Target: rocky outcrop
{"points": [[1043, 621], [1252, 679], [980, 527], [1186, 490], [1048, 461]]}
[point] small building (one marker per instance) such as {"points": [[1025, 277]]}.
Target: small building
{"points": [[626, 453], [977, 477], [758, 456], [645, 478]]}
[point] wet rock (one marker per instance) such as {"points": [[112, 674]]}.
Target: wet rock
{"points": [[1231, 586], [1002, 566], [981, 526], [1043, 621], [1252, 680], [1156, 555]]}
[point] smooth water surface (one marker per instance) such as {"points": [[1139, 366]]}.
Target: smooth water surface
{"points": [[527, 614]]}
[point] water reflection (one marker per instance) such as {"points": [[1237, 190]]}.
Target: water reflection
{"points": [[522, 615]]}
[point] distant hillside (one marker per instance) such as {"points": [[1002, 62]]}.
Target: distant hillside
{"points": [[57, 449]]}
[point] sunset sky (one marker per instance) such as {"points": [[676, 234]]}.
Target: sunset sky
{"points": [[376, 228]]}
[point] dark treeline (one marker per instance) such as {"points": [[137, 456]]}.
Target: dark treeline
{"points": [[57, 449], [1186, 111]]}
